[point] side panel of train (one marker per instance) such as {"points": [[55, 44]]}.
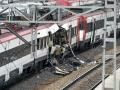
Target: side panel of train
{"points": [[92, 31], [13, 43]]}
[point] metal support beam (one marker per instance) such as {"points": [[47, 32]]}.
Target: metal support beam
{"points": [[110, 40], [26, 16], [59, 14], [53, 9], [3, 10], [34, 42], [40, 18], [16, 34]]}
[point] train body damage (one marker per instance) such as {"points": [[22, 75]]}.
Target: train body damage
{"points": [[80, 33]]}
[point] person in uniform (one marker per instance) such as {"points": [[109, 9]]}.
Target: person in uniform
{"points": [[62, 52], [50, 44], [57, 52]]}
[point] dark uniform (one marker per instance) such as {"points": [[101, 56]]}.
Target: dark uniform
{"points": [[50, 44]]}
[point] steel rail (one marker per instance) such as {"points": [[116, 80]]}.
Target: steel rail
{"points": [[87, 73]]}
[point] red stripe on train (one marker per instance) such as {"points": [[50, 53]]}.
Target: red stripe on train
{"points": [[63, 2], [82, 20]]}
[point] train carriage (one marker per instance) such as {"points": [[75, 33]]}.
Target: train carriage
{"points": [[81, 33]]}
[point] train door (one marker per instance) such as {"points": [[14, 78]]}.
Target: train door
{"points": [[82, 29], [39, 43], [79, 29], [93, 31], [60, 37], [69, 34]]}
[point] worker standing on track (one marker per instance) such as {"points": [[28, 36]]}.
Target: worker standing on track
{"points": [[50, 44]]}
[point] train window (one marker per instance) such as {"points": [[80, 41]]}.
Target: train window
{"points": [[26, 66], [97, 38], [90, 25], [72, 31], [110, 18], [118, 19], [99, 24], [81, 26], [38, 43], [75, 30], [45, 42], [106, 34], [2, 80], [14, 73], [102, 35], [41, 43]]}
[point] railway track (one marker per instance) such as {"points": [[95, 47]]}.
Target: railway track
{"points": [[47, 79], [92, 78], [49, 76]]}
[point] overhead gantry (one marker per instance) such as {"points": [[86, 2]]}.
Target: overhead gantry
{"points": [[37, 13]]}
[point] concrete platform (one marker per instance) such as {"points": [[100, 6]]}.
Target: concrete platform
{"points": [[109, 83]]}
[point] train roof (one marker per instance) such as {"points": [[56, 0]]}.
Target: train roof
{"points": [[44, 32]]}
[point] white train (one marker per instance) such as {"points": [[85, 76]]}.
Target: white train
{"points": [[84, 32]]}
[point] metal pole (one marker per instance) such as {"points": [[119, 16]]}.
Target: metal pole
{"points": [[35, 38], [34, 13], [32, 43], [9, 14], [107, 39], [59, 14], [115, 27], [104, 45], [119, 84], [70, 27], [103, 72]]}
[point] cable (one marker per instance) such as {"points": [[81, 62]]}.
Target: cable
{"points": [[81, 61], [69, 44]]}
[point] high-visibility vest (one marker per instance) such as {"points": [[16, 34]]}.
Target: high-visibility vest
{"points": [[50, 43]]}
